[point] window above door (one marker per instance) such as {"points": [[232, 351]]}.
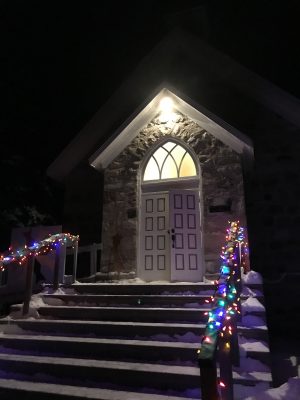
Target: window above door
{"points": [[169, 161]]}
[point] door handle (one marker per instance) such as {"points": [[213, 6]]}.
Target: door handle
{"points": [[173, 237]]}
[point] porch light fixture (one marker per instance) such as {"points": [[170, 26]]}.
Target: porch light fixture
{"points": [[166, 105], [166, 109]]}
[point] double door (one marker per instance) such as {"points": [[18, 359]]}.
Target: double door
{"points": [[170, 237]]}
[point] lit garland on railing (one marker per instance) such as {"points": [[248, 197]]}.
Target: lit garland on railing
{"points": [[43, 247], [225, 302]]}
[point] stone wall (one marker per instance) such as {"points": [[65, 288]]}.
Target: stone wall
{"points": [[222, 192]]}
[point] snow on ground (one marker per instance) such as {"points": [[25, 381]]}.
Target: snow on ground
{"points": [[251, 305], [261, 391], [248, 364], [246, 291], [252, 321], [248, 344], [35, 302], [288, 391], [252, 277], [60, 290], [138, 281]]}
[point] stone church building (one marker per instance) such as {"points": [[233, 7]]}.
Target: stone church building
{"points": [[189, 141]]}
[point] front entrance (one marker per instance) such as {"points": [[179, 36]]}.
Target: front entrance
{"points": [[170, 236]]}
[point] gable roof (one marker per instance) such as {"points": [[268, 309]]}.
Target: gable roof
{"points": [[194, 68], [211, 123]]}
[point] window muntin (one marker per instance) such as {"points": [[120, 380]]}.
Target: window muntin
{"points": [[170, 161]]}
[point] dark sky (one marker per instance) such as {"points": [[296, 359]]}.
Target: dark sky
{"points": [[61, 60]]}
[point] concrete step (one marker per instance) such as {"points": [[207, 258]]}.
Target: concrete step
{"points": [[117, 349], [103, 373], [120, 341], [141, 314], [145, 289], [95, 348], [12, 389], [131, 300], [116, 329], [127, 300]]}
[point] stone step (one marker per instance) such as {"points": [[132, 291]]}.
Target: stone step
{"points": [[115, 329], [145, 289], [103, 373], [12, 389]]}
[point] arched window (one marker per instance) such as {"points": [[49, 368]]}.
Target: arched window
{"points": [[169, 161]]}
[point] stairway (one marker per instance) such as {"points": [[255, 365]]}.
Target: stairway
{"points": [[123, 342]]}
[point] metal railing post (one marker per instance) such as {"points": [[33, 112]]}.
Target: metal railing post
{"points": [[93, 269], [28, 288], [75, 256], [208, 379], [234, 342], [226, 381], [56, 267]]}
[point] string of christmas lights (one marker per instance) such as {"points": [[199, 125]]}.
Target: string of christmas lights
{"points": [[45, 246], [226, 299]]}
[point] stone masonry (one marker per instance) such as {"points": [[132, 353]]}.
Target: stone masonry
{"points": [[222, 192]]}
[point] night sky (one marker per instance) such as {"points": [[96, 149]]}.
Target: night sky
{"points": [[62, 60]]}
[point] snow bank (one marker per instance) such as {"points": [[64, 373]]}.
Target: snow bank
{"points": [[251, 305], [288, 391], [249, 344], [248, 364], [60, 290], [252, 321], [35, 302], [246, 291], [252, 277]]}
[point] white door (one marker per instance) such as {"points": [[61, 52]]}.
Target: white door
{"points": [[154, 237], [186, 247], [170, 237]]}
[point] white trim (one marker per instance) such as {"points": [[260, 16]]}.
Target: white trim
{"points": [[212, 124]]}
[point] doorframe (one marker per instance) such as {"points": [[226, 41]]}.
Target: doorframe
{"points": [[156, 186]]}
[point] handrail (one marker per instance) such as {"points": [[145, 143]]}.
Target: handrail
{"points": [[220, 341], [28, 253], [92, 249]]}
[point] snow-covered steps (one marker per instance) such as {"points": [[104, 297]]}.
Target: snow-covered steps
{"points": [[108, 349], [171, 300], [122, 341], [131, 330], [11, 389], [145, 289], [129, 300], [113, 349], [156, 376], [114, 329], [154, 314]]}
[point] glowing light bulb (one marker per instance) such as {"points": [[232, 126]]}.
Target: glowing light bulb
{"points": [[166, 105]]}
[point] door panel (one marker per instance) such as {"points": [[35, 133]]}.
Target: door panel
{"points": [[154, 238], [186, 247]]}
